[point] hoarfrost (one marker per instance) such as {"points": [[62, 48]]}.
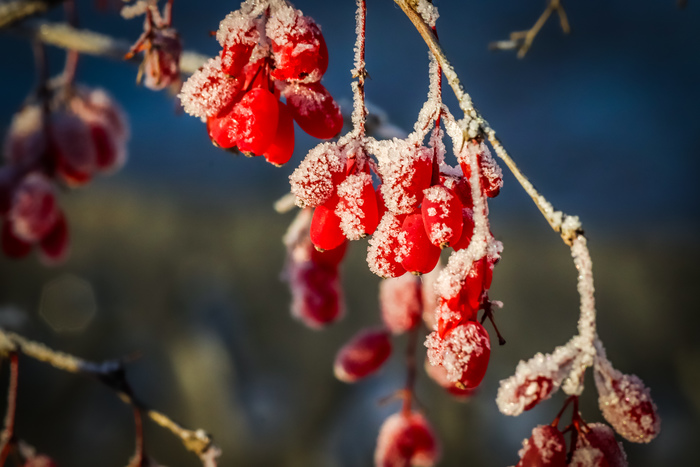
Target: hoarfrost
{"points": [[400, 301], [208, 90]]}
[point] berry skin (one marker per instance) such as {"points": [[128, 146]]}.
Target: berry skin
{"points": [[53, 248], [418, 255], [12, 246], [362, 356], [329, 259], [282, 147], [357, 206], [406, 439], [34, 210], [314, 109], [467, 230], [464, 353], [381, 252], [303, 58], [72, 148], [442, 216], [596, 446], [316, 295], [401, 303], [326, 233], [545, 448], [257, 115], [222, 131]]}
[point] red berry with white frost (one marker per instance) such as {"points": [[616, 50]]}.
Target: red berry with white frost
{"points": [[381, 252], [417, 254], [256, 115], [464, 352], [406, 439], [596, 446], [442, 216], [357, 206], [314, 109], [401, 303], [363, 355], [546, 447]]}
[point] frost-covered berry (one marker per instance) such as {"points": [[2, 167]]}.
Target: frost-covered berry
{"points": [[357, 206], [535, 380], [467, 230], [439, 375], [442, 216], [329, 258], [12, 246], [25, 142], [406, 440], [316, 295], [53, 248], [401, 302], [209, 90], [464, 352], [315, 180], [326, 233], [406, 171], [491, 176], [382, 248], [238, 35], [314, 109], [72, 148], [417, 254], [363, 355], [545, 448], [626, 403], [596, 446], [256, 114], [34, 210]]}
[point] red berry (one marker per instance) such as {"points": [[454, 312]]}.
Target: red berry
{"points": [[238, 35], [401, 303], [209, 91], [222, 130], [329, 258], [467, 230], [439, 375], [34, 210], [381, 252], [460, 185], [442, 216], [464, 353], [314, 182], [417, 254], [362, 356], [256, 116], [597, 447], [406, 439], [314, 109], [282, 147], [72, 148], [406, 172], [316, 295], [357, 206], [545, 448], [12, 246], [326, 233]]}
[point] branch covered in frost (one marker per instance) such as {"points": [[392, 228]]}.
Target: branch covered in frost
{"points": [[93, 43], [13, 11], [111, 373]]}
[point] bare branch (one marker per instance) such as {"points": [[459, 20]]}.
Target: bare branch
{"points": [[112, 373]]}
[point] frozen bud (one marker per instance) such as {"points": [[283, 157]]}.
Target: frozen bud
{"points": [[381, 252], [598, 447], [464, 353], [357, 206], [209, 90], [626, 403], [406, 440], [34, 210], [535, 380], [315, 180], [363, 355], [545, 448], [439, 375], [406, 171], [161, 62], [25, 141], [442, 216], [400, 300]]}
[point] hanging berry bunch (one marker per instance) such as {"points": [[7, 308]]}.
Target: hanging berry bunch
{"points": [[62, 137], [269, 50], [160, 44]]}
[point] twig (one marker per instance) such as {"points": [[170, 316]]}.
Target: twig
{"points": [[92, 43], [8, 433], [522, 40], [112, 374], [14, 11]]}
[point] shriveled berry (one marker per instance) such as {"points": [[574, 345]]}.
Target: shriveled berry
{"points": [[406, 439], [363, 355], [282, 147], [417, 254], [442, 216], [314, 109]]}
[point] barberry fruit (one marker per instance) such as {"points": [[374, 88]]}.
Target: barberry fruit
{"points": [[545, 448], [401, 303], [363, 355], [442, 216], [417, 254], [406, 440], [464, 353]]}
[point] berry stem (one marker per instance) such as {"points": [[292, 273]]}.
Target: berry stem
{"points": [[72, 55], [488, 314]]}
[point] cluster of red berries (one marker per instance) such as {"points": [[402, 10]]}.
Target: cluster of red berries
{"points": [[66, 140], [269, 50]]}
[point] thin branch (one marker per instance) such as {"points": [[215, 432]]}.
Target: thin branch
{"points": [[522, 40], [92, 43], [14, 11], [112, 374], [8, 433]]}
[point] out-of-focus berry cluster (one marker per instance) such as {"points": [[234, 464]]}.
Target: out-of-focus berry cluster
{"points": [[61, 140], [269, 50]]}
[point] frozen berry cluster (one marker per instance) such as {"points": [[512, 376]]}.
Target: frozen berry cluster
{"points": [[270, 50], [63, 139]]}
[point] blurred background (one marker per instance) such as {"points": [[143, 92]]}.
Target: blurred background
{"points": [[178, 256]]}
